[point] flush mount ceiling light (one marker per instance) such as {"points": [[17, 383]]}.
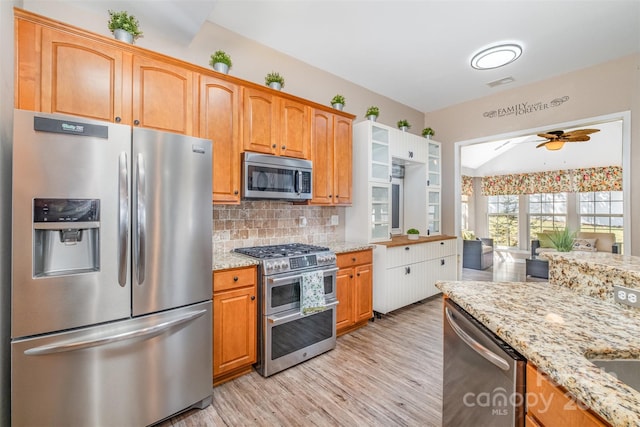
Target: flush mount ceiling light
{"points": [[496, 56]]}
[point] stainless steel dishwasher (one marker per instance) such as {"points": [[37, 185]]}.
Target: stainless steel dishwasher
{"points": [[484, 378]]}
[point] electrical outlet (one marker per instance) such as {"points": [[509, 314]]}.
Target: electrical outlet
{"points": [[335, 220], [627, 296], [302, 221]]}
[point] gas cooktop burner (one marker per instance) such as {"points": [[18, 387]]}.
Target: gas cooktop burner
{"points": [[280, 251]]}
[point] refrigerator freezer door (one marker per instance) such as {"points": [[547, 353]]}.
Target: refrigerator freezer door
{"points": [[129, 373], [172, 220], [68, 158]]}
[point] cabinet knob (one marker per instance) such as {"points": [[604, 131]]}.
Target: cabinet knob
{"points": [[442, 243], [351, 276], [358, 274], [330, 195], [118, 119], [407, 270], [284, 147], [337, 196], [273, 146], [407, 248], [441, 262], [353, 259], [136, 122], [235, 278], [235, 192], [253, 297], [411, 154]]}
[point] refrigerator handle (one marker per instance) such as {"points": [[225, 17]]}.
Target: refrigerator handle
{"points": [[144, 333], [141, 228], [123, 219]]}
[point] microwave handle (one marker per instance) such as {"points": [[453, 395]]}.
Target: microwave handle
{"points": [[298, 181]]}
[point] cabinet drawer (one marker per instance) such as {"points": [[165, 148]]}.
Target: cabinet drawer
{"points": [[551, 406], [349, 259], [232, 279], [441, 248], [407, 254]]}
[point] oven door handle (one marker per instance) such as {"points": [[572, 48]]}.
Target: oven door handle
{"points": [[276, 280], [275, 320]]}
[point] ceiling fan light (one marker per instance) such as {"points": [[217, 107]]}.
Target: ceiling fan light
{"points": [[496, 56], [554, 145]]}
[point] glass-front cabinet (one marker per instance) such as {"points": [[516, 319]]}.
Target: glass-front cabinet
{"points": [[433, 212], [435, 171], [434, 176], [380, 225], [380, 154]]}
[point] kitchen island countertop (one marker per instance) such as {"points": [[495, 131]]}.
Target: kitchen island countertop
{"points": [[555, 328]]}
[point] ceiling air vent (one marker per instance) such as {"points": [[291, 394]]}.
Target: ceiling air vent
{"points": [[502, 81]]}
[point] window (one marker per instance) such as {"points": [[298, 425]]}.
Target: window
{"points": [[547, 211], [503, 220], [602, 211]]}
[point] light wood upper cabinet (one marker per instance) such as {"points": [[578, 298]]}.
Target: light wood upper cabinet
{"points": [[331, 153], [70, 74], [219, 122], [163, 96], [275, 125]]}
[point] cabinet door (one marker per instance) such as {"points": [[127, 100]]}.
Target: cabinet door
{"points": [[295, 129], [219, 122], [434, 165], [163, 96], [260, 126], [234, 329], [434, 210], [380, 216], [363, 292], [83, 77], [344, 293], [322, 157], [342, 166]]}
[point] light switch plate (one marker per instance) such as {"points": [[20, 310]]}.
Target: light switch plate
{"points": [[335, 220], [627, 296]]}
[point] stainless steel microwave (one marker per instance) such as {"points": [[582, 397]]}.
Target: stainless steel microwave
{"points": [[265, 176]]}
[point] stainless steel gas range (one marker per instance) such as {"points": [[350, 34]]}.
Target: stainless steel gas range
{"points": [[286, 335]]}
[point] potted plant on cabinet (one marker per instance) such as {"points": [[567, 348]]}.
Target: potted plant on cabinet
{"points": [[413, 234], [274, 80], [428, 133], [338, 102], [124, 27], [221, 61], [372, 113], [403, 125]]}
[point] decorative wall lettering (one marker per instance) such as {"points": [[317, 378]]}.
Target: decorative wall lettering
{"points": [[525, 108]]}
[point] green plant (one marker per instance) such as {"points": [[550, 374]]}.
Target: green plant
{"points": [[413, 231], [372, 111], [562, 239], [427, 132], [402, 123], [274, 77], [338, 99], [220, 56], [124, 21]]}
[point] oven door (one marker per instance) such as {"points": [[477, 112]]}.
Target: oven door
{"points": [[282, 291], [292, 338]]}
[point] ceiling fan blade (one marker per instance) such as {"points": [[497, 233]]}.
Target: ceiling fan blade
{"points": [[579, 138], [548, 135], [580, 132], [542, 144]]}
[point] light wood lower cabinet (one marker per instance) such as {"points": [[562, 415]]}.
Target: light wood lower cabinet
{"points": [[548, 405], [235, 311], [354, 290]]}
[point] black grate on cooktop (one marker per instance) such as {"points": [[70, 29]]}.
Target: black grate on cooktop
{"points": [[279, 251]]}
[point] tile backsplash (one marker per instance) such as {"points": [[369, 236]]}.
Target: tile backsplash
{"points": [[257, 223]]}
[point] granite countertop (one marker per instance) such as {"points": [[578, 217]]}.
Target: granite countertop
{"points": [[227, 260], [554, 327]]}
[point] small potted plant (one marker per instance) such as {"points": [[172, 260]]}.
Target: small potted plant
{"points": [[338, 102], [221, 61], [413, 234], [124, 27], [372, 113], [428, 133], [403, 125], [274, 80], [562, 239]]}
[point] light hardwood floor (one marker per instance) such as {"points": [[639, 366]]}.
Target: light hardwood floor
{"points": [[388, 373]]}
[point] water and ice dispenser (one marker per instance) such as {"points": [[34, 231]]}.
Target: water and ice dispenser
{"points": [[66, 236]]}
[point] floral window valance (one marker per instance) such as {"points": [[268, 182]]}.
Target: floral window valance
{"points": [[467, 185], [608, 178]]}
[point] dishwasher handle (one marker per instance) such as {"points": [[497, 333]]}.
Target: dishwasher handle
{"points": [[475, 345]]}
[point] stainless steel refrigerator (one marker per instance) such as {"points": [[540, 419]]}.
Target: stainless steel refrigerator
{"points": [[111, 273]]}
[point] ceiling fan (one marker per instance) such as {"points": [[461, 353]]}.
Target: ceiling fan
{"points": [[555, 139]]}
